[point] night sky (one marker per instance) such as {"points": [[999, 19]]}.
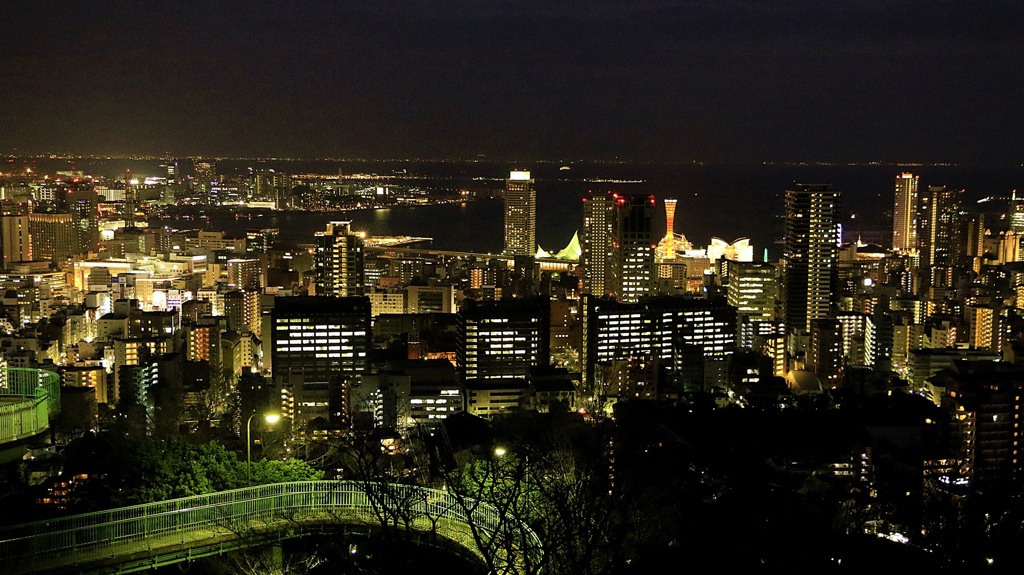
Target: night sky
{"points": [[729, 81]]}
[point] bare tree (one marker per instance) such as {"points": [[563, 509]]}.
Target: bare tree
{"points": [[396, 506], [551, 507]]}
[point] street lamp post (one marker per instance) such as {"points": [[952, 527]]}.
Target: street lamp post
{"points": [[270, 418]]}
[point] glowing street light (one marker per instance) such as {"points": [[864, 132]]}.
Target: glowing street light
{"points": [[271, 418]]}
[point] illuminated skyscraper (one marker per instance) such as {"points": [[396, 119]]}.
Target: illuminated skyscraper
{"points": [[904, 213], [131, 202], [173, 173], [84, 208], [206, 173], [811, 250], [596, 242], [975, 244], [942, 236], [503, 339], [752, 290], [282, 190], [245, 274], [15, 238], [520, 215], [498, 343], [1015, 215], [339, 261], [320, 336], [631, 270], [319, 348], [690, 338], [242, 309], [939, 214], [53, 236]]}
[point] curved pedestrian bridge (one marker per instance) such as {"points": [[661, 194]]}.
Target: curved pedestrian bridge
{"points": [[146, 536], [28, 397]]}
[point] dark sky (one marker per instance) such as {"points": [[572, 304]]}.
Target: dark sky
{"points": [[730, 81]]}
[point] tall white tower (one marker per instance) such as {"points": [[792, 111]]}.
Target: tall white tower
{"points": [[520, 215], [904, 213]]}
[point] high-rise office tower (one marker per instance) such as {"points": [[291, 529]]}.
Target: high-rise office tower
{"points": [[691, 338], [338, 261], [320, 335], [1015, 215], [53, 236], [206, 174], [904, 213], [319, 346], [503, 339], [940, 207], [282, 190], [631, 269], [596, 242], [1016, 212], [752, 289], [811, 250], [131, 200], [84, 208], [520, 215], [938, 232], [15, 239], [259, 184], [173, 173]]}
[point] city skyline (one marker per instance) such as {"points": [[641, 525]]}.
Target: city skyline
{"points": [[664, 81], [271, 270], [438, 363]]}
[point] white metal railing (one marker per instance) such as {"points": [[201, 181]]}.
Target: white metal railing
{"points": [[36, 396], [23, 419], [100, 538]]}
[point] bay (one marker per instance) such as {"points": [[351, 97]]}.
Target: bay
{"points": [[728, 202], [714, 200]]}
